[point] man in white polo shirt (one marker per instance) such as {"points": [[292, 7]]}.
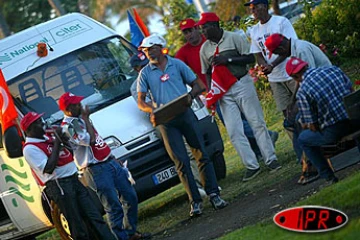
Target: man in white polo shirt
{"points": [[53, 166]]}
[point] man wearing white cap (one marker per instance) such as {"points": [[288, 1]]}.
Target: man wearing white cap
{"points": [[53, 166], [166, 78]]}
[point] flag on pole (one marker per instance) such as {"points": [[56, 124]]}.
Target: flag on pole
{"points": [[8, 113], [138, 30]]}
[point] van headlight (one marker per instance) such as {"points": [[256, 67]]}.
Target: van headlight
{"points": [[112, 142]]}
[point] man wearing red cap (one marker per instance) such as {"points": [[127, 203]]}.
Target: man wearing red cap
{"points": [[53, 166], [321, 108], [110, 180], [241, 97], [308, 52], [189, 53], [280, 45], [283, 87]]}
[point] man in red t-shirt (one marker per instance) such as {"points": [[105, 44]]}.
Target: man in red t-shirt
{"points": [[190, 52]]}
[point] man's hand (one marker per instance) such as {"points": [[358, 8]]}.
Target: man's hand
{"points": [[219, 60], [311, 126], [189, 100], [152, 119], [267, 68]]}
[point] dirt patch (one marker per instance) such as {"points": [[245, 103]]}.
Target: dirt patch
{"points": [[246, 210]]}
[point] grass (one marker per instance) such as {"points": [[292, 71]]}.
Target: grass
{"points": [[342, 196], [171, 207]]}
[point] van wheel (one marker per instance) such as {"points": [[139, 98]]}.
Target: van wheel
{"points": [[60, 222], [219, 165], [63, 227]]}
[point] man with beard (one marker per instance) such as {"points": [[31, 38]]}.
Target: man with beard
{"points": [[166, 78]]}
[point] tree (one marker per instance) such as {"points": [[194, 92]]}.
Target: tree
{"points": [[176, 10], [4, 28], [56, 5], [275, 7]]}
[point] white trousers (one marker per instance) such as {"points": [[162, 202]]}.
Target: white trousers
{"points": [[242, 97]]}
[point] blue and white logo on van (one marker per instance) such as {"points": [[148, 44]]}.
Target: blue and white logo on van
{"points": [[310, 219], [4, 58], [21, 50], [69, 30]]}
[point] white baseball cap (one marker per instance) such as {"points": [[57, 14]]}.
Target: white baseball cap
{"points": [[152, 40]]}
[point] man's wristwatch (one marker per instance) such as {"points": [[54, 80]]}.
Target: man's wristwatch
{"points": [[229, 60]]}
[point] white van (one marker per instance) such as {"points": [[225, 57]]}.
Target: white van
{"points": [[91, 60]]}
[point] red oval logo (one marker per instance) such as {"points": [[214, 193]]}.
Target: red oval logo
{"points": [[310, 219]]}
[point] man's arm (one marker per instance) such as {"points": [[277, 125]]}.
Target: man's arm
{"points": [[269, 67], [54, 157], [240, 60], [85, 113], [197, 87], [142, 104]]}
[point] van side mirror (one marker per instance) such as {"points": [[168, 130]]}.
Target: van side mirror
{"points": [[12, 142]]}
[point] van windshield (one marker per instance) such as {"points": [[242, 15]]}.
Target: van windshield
{"points": [[100, 72]]}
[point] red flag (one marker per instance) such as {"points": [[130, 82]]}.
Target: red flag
{"points": [[221, 80], [141, 24], [8, 113]]}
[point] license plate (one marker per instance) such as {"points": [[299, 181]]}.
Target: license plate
{"points": [[164, 175]]}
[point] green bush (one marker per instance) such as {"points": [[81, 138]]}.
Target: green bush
{"points": [[334, 24]]}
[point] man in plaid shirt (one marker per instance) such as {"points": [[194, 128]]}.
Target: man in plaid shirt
{"points": [[322, 111]]}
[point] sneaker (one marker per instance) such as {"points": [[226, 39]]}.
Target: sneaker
{"points": [[250, 174], [274, 137], [308, 177], [140, 236], [274, 166], [329, 182], [195, 209], [202, 192], [217, 202]]}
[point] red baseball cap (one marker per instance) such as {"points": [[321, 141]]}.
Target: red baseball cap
{"points": [[208, 17], [28, 119], [295, 65], [187, 23], [273, 42], [68, 98]]}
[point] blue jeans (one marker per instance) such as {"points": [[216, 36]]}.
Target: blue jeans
{"points": [[75, 203], [311, 141], [172, 133], [111, 183]]}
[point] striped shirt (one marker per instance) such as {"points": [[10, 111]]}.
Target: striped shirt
{"points": [[320, 96]]}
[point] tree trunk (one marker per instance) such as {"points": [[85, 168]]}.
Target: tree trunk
{"points": [[83, 6], [56, 5], [4, 28], [275, 6]]}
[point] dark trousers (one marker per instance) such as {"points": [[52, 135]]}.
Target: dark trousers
{"points": [[75, 203], [172, 133], [311, 143]]}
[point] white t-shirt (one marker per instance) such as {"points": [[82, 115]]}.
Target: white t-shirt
{"points": [[260, 32], [37, 160]]}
